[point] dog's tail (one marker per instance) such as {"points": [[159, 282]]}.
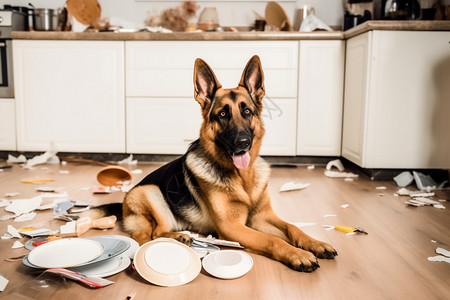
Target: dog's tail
{"points": [[104, 211]]}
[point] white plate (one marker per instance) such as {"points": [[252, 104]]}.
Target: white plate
{"points": [[227, 264], [167, 262], [105, 268], [65, 253]]}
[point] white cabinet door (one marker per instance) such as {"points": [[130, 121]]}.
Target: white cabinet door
{"points": [[7, 125], [356, 74], [397, 100], [162, 125], [279, 117], [169, 125], [70, 93], [320, 97], [165, 68]]}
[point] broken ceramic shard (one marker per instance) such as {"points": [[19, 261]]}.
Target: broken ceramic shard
{"points": [[291, 186]]}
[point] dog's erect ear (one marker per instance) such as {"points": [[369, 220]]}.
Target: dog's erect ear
{"points": [[205, 83], [253, 79]]}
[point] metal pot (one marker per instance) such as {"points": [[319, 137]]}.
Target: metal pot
{"points": [[44, 19]]}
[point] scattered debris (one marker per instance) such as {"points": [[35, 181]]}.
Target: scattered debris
{"points": [[25, 217], [102, 190], [128, 161], [14, 232], [311, 167], [380, 188], [47, 157], [424, 182], [24, 206], [17, 245], [64, 172], [335, 163], [37, 180], [3, 283], [69, 227], [291, 186], [404, 179], [329, 216], [336, 174], [16, 160], [302, 224], [444, 257], [349, 179], [347, 229], [92, 281], [212, 240], [343, 206], [136, 171], [4, 202]]}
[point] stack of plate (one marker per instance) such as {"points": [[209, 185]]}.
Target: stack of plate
{"points": [[96, 256], [166, 262]]}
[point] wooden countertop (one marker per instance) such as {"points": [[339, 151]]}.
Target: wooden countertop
{"points": [[235, 36], [177, 36], [397, 25]]}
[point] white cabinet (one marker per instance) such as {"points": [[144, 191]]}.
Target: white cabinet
{"points": [[7, 125], [162, 125], [162, 115], [320, 93], [396, 103], [70, 93]]}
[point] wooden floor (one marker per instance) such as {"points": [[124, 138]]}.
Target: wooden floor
{"points": [[388, 263]]}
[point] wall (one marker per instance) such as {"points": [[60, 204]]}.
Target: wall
{"points": [[132, 13]]}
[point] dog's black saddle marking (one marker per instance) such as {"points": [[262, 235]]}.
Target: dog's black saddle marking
{"points": [[171, 181]]}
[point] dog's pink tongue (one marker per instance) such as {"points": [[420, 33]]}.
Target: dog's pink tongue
{"points": [[241, 161]]}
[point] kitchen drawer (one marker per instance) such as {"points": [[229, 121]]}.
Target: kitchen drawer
{"points": [[169, 125], [161, 69]]}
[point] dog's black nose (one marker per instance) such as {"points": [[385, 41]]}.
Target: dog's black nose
{"points": [[243, 141]]}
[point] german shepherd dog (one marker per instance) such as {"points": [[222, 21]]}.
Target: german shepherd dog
{"points": [[219, 185]]}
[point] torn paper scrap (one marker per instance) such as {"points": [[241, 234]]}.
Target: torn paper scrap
{"points": [[69, 227], [439, 258], [424, 182], [23, 206], [335, 163], [404, 179], [25, 217], [136, 171], [291, 186], [64, 172], [302, 224], [13, 232], [439, 206], [329, 216], [40, 159], [16, 160], [380, 188], [17, 245], [443, 251], [343, 206], [128, 161], [311, 167], [337, 174], [4, 202], [3, 283]]}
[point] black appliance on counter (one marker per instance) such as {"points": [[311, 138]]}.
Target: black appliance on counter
{"points": [[10, 20]]}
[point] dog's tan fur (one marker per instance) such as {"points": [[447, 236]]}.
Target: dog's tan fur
{"points": [[234, 203]]}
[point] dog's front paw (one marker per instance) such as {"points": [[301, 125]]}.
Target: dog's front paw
{"points": [[302, 261], [320, 249]]}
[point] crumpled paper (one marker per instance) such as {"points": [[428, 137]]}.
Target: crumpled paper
{"points": [[311, 23]]}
